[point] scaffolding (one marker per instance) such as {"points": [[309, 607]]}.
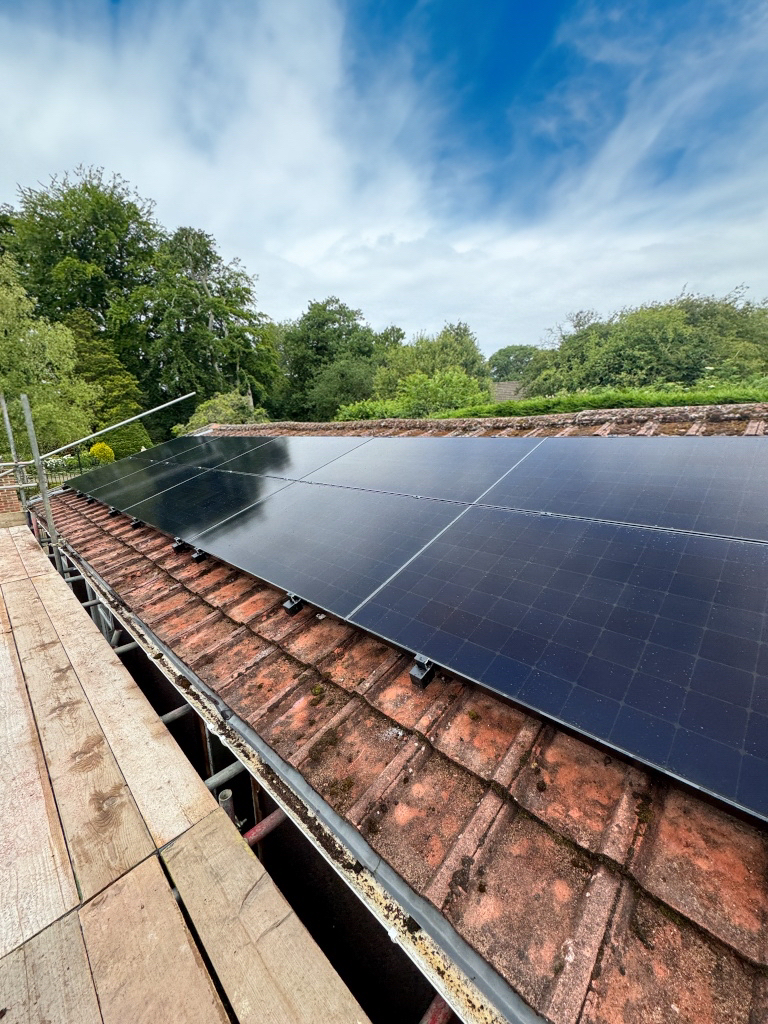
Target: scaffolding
{"points": [[32, 474]]}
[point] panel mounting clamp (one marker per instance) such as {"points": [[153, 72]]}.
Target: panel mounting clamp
{"points": [[136, 523], [178, 544], [422, 670], [198, 555], [293, 604]]}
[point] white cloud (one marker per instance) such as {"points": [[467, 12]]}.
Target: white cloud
{"points": [[242, 120]]}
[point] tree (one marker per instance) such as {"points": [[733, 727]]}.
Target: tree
{"points": [[193, 326], [347, 379], [221, 408], [512, 362], [121, 397], [38, 358], [454, 347], [328, 331], [690, 339], [81, 241]]}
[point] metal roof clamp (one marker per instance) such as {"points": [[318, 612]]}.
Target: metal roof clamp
{"points": [[136, 523], [198, 555], [293, 604], [422, 671], [177, 544]]}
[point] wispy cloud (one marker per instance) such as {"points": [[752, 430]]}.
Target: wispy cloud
{"points": [[638, 171]]}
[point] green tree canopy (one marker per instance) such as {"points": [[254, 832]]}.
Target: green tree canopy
{"points": [[193, 326], [231, 407], [685, 341], [512, 362], [328, 331], [121, 396], [454, 347], [81, 241], [38, 358]]}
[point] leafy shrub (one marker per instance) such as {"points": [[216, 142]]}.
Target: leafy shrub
{"points": [[614, 398], [102, 452], [223, 407]]}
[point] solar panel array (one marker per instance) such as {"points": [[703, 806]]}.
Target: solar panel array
{"points": [[614, 585]]}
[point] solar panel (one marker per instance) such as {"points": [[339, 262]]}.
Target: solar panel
{"points": [[626, 634], [294, 457], [328, 544], [216, 451], [455, 468], [716, 485], [196, 504], [102, 475], [505, 560], [148, 480]]}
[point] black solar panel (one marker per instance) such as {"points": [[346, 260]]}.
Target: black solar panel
{"points": [[294, 457], [626, 634], [504, 560], [107, 474], [215, 451], [329, 545], [453, 468], [201, 501], [715, 485], [148, 480]]}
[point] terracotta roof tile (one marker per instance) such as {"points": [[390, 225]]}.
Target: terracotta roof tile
{"points": [[658, 968], [580, 791], [348, 762], [301, 715], [519, 903], [360, 664], [420, 816], [396, 696], [478, 730], [712, 868]]}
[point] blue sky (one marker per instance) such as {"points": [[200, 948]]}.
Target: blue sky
{"points": [[504, 163]]}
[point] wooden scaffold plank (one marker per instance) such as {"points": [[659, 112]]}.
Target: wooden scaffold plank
{"points": [[169, 793], [49, 979], [145, 965], [269, 966], [32, 556], [105, 833], [36, 882]]}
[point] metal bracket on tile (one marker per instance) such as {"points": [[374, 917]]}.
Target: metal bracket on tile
{"points": [[114, 511], [136, 523], [198, 555], [293, 604], [178, 544], [422, 671]]}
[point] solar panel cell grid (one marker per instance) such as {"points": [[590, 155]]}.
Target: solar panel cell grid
{"points": [[714, 485], [330, 545], [650, 640], [586, 641]]}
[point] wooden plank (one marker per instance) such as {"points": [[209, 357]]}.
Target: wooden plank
{"points": [[144, 962], [48, 979], [270, 968], [105, 833], [12, 566], [31, 554], [169, 793], [36, 881]]}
